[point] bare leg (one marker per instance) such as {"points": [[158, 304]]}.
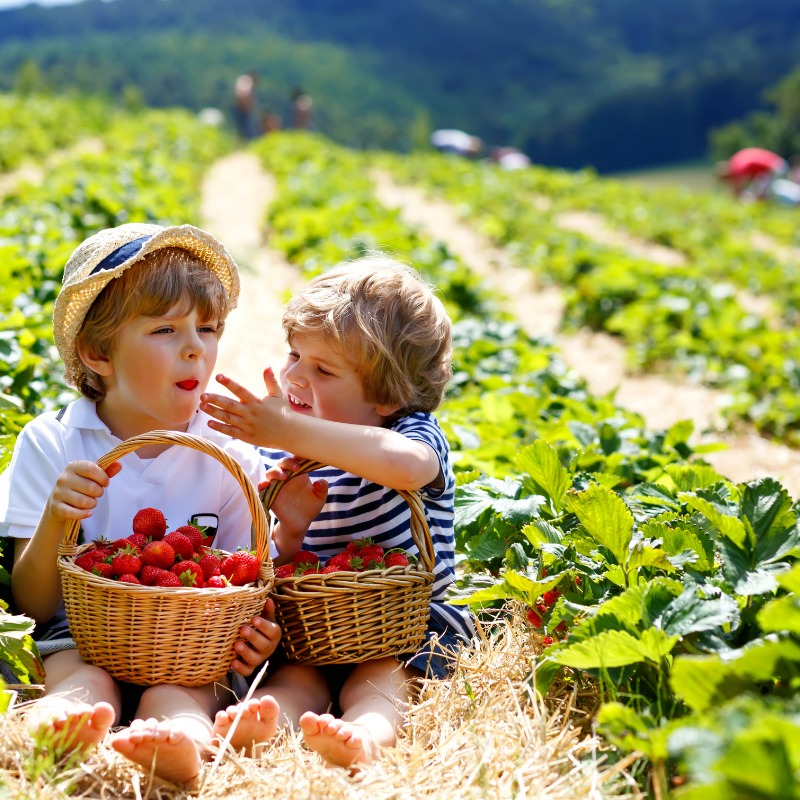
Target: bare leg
{"points": [[80, 704], [373, 700], [292, 690], [171, 733]]}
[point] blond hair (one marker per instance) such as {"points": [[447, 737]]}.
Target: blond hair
{"points": [[161, 280], [387, 322]]}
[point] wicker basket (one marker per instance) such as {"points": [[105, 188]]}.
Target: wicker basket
{"points": [[149, 635], [349, 617]]}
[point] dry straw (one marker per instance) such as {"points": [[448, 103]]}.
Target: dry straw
{"points": [[349, 617], [149, 635]]}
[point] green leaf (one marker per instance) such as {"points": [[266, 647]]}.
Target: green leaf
{"points": [[606, 519], [769, 508], [690, 613], [539, 532], [540, 460], [616, 649], [729, 526]]}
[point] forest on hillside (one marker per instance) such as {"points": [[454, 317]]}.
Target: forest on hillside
{"points": [[614, 84]]}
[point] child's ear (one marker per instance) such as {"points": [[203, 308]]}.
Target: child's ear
{"points": [[385, 410], [94, 361]]}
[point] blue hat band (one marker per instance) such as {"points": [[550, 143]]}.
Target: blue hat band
{"points": [[121, 255]]}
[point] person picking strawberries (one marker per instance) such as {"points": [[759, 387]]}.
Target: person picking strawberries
{"points": [[368, 364], [137, 323]]}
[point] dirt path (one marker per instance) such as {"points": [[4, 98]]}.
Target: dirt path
{"points": [[236, 194], [599, 358]]}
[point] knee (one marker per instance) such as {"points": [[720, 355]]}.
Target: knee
{"points": [[99, 682]]}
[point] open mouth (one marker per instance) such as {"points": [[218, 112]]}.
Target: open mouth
{"points": [[295, 403], [188, 386]]}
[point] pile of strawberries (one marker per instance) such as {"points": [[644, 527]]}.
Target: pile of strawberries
{"points": [[358, 556], [152, 557]]}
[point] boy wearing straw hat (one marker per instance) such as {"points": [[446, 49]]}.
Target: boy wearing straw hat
{"points": [[137, 325], [369, 361]]}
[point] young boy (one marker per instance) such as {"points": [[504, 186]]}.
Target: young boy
{"points": [[369, 361], [137, 325]]}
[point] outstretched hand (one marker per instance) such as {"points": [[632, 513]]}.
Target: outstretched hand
{"points": [[249, 418]]}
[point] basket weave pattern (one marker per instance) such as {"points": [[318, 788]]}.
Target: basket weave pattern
{"points": [[147, 634], [349, 617]]}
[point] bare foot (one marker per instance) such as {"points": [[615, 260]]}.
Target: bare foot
{"points": [[337, 741], [258, 723], [72, 728], [170, 753]]}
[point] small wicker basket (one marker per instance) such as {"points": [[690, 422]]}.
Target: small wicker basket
{"points": [[149, 635], [349, 617]]}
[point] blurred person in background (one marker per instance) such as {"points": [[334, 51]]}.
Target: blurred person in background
{"points": [[244, 105], [301, 109], [750, 171]]}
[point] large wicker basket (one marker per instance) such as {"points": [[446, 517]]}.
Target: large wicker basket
{"points": [[149, 635], [349, 617]]}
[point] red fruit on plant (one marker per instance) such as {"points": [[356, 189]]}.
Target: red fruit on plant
{"points": [[211, 565], [577, 580], [128, 578], [189, 573], [193, 534], [150, 522], [395, 558], [547, 641], [561, 627], [126, 560], [149, 575], [550, 597], [159, 554], [168, 579], [534, 618], [182, 545], [304, 557], [103, 569], [285, 571], [240, 567]]}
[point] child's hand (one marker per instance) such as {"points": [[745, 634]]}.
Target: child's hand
{"points": [[298, 502], [77, 489], [261, 638], [249, 418]]}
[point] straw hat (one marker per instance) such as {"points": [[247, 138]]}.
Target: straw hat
{"points": [[106, 255]]}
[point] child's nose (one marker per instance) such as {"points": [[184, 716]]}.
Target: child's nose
{"points": [[194, 347]]}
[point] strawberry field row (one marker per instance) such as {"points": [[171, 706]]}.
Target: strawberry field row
{"points": [[687, 318]]}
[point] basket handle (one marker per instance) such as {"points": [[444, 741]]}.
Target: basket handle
{"points": [[420, 532], [259, 531]]}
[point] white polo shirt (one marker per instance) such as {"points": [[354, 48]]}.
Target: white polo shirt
{"points": [[182, 482]]}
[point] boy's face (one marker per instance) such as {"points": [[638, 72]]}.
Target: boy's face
{"points": [[158, 369], [319, 382]]}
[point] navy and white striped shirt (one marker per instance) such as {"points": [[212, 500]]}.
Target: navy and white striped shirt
{"points": [[357, 508]]}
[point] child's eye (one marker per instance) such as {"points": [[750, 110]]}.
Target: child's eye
{"points": [[323, 371], [207, 329], [165, 329]]}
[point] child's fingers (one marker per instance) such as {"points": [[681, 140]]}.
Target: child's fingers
{"points": [[271, 382], [245, 395], [113, 469]]}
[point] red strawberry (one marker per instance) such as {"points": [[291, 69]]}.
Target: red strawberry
{"points": [[340, 560], [138, 539], [159, 554], [371, 556], [285, 571], [125, 561], [356, 545], [395, 558], [87, 560], [534, 618], [548, 598], [102, 546], [193, 534], [168, 579], [217, 582], [150, 522], [149, 575], [240, 567], [304, 557], [547, 641], [561, 627], [118, 544], [182, 545], [103, 569], [128, 578], [210, 565], [189, 572], [329, 568]]}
